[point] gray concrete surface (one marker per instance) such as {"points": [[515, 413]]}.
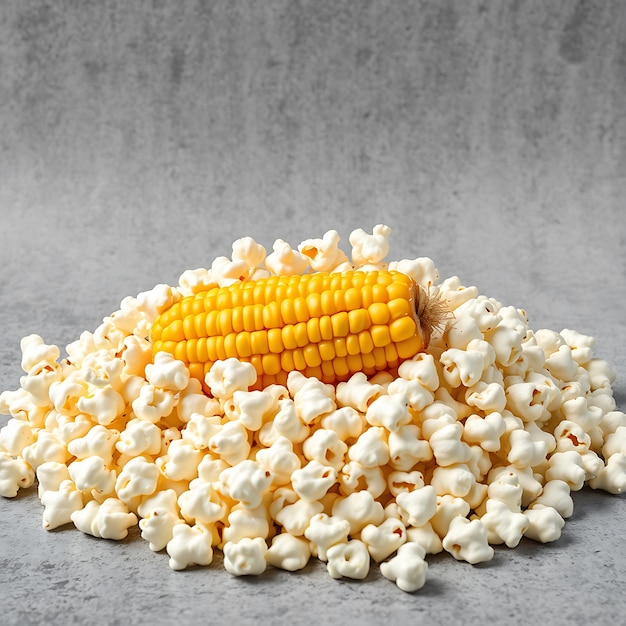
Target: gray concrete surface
{"points": [[139, 139]]}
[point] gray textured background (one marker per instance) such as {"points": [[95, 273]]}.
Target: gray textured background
{"points": [[139, 139]]}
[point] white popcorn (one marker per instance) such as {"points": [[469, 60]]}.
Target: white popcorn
{"points": [[246, 557], [601, 373], [503, 525], [419, 505], [324, 254], [288, 552], [326, 447], [389, 411], [561, 364], [484, 311], [461, 332], [15, 474], [611, 421], [226, 272], [370, 449], [566, 466], [153, 403], [370, 249], [455, 293], [64, 394], [401, 482], [422, 270], [295, 517], [456, 480], [356, 477], [531, 488], [484, 431], [279, 460], [349, 560], [231, 443], [99, 441], [578, 411], [167, 373], [109, 520], [286, 423], [192, 400], [447, 446], [487, 397], [46, 448], [190, 545], [506, 488], [580, 345], [50, 475], [199, 429], [360, 509], [92, 473], [313, 480], [357, 392], [59, 505], [507, 344], [15, 436], [246, 522], [448, 507], [210, 468], [427, 539], [407, 569], [249, 251], [139, 477], [201, 503], [526, 400], [195, 281], [35, 352], [249, 407], [139, 437], [226, 377], [152, 303], [615, 443], [246, 482], [613, 477], [545, 524], [422, 369], [159, 515], [592, 464], [347, 422], [182, 461], [467, 541], [406, 448], [313, 399], [462, 367], [285, 261], [556, 494], [324, 531], [524, 452], [104, 404]]}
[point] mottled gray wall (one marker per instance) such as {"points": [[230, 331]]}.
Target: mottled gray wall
{"points": [[157, 132]]}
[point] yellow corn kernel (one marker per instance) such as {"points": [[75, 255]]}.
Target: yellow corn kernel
{"points": [[248, 317], [341, 349], [288, 337], [192, 345], [230, 345], [298, 360], [301, 334], [258, 342], [352, 345], [286, 361], [379, 313], [300, 309], [173, 331], [399, 308], [189, 329], [181, 351], [352, 299], [358, 320], [328, 303], [287, 311], [369, 362], [314, 304], [312, 355], [313, 330], [365, 342], [327, 350], [328, 371], [340, 365], [326, 328], [391, 354], [237, 319], [402, 329], [379, 293], [211, 324], [258, 317], [355, 363], [224, 300], [410, 347], [243, 347], [224, 322], [339, 299], [380, 335], [275, 341], [202, 354], [271, 315], [197, 370], [271, 364], [340, 324]]}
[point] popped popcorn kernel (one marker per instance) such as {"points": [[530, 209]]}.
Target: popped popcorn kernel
{"points": [[476, 441]]}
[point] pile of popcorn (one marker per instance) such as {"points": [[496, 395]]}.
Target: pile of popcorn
{"points": [[478, 442]]}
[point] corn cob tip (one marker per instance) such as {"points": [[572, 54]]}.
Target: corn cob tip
{"points": [[432, 312]]}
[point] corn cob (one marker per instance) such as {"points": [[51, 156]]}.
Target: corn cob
{"points": [[325, 325]]}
